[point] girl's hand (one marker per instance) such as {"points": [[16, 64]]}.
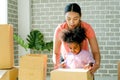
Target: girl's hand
{"points": [[63, 65]]}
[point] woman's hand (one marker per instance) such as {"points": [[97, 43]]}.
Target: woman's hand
{"points": [[88, 66], [94, 68]]}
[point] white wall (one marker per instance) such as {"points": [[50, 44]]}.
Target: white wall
{"points": [[24, 21], [3, 12]]}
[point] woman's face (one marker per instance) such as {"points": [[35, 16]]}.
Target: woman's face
{"points": [[72, 19], [74, 47]]}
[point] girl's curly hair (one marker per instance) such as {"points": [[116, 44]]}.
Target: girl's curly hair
{"points": [[76, 35]]}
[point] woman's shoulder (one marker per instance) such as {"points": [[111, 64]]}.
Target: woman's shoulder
{"points": [[85, 24], [89, 30], [62, 25]]}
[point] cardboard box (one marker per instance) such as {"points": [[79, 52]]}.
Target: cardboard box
{"points": [[119, 70], [10, 74], [6, 49], [70, 74], [33, 67]]}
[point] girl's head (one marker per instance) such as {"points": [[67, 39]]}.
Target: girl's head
{"points": [[72, 15], [74, 38]]}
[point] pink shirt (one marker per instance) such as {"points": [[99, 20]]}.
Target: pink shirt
{"points": [[63, 49], [79, 60]]}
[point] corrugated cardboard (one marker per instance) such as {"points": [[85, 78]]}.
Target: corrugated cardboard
{"points": [[10, 74], [33, 67], [6, 46], [70, 74], [119, 70]]}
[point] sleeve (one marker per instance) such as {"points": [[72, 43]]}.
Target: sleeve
{"points": [[57, 31], [88, 58], [89, 30]]}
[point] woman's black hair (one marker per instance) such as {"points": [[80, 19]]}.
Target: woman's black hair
{"points": [[73, 7], [76, 35]]}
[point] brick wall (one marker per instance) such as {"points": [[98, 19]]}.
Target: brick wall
{"points": [[104, 17], [13, 19]]}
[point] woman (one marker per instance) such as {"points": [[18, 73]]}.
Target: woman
{"points": [[73, 19]]}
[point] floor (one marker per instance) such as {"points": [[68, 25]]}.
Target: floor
{"points": [[98, 78]]}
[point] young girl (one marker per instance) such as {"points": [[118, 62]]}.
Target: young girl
{"points": [[77, 57]]}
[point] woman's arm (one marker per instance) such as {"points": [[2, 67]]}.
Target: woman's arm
{"points": [[96, 53], [56, 48], [56, 53]]}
